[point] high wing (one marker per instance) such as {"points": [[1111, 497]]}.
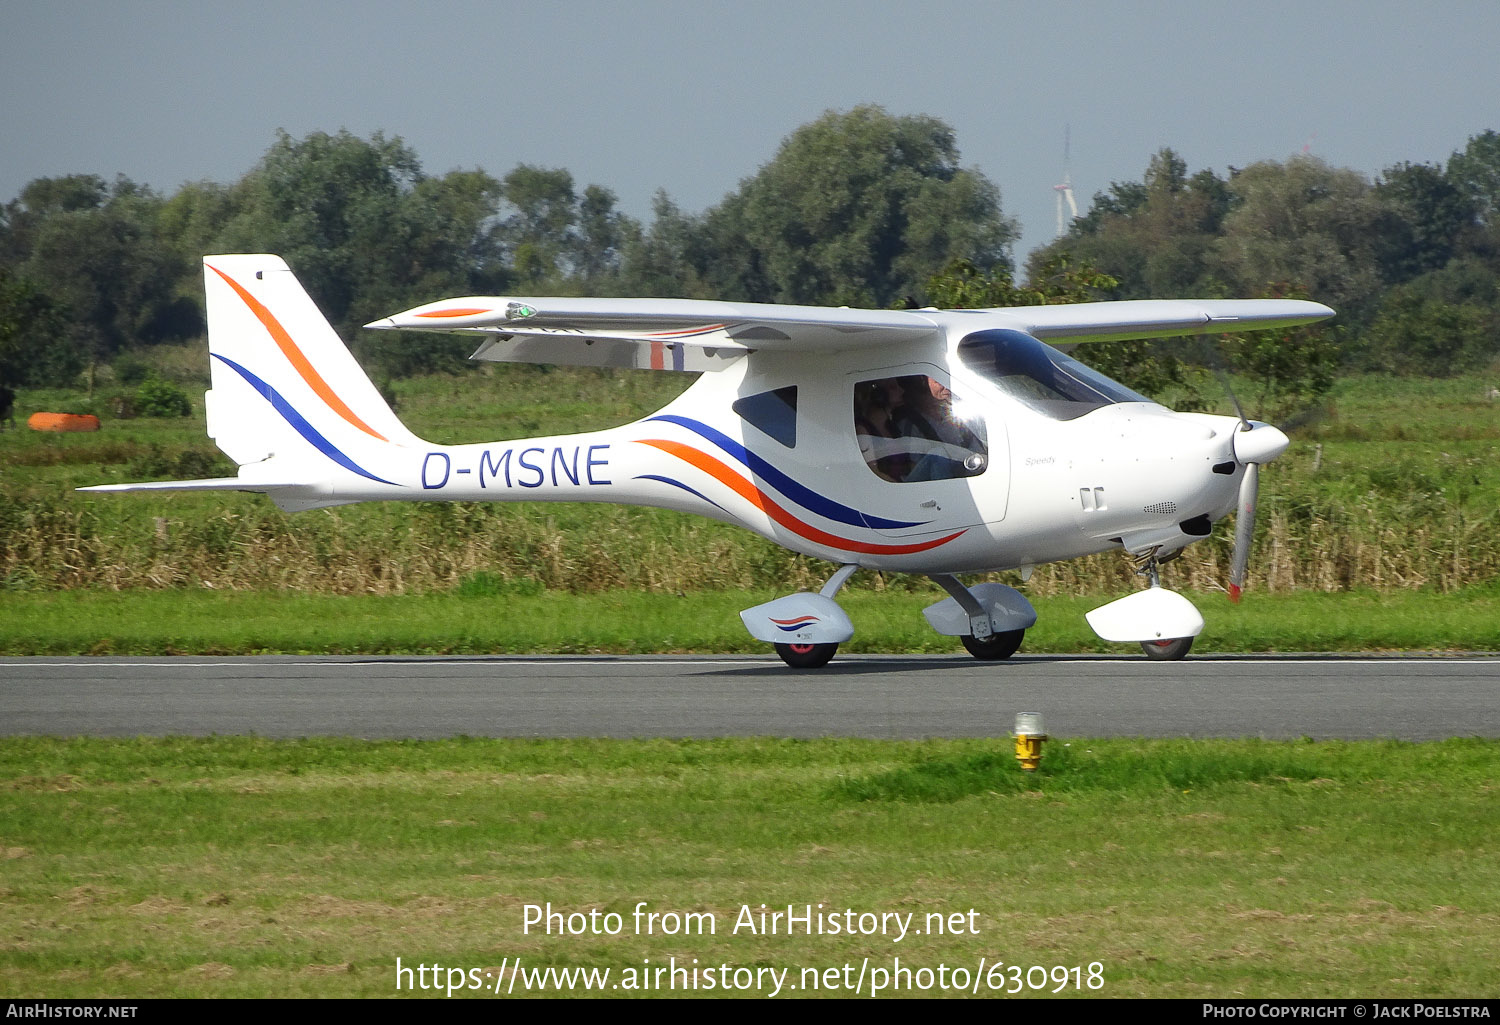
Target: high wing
{"points": [[659, 334], [696, 335], [1161, 318]]}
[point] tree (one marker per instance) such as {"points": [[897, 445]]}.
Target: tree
{"points": [[1155, 237], [658, 261], [97, 253], [963, 286], [1291, 368], [451, 231], [1475, 172], [41, 199], [858, 208], [1304, 222], [35, 349], [538, 233], [330, 205], [369, 233], [1438, 324], [558, 240], [599, 240], [1428, 217]]}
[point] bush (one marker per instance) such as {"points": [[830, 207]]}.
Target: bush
{"points": [[156, 397]]}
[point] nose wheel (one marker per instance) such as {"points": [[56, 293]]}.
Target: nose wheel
{"points": [[1167, 650], [806, 656], [1161, 621]]}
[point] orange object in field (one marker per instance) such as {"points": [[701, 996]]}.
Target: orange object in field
{"points": [[63, 422]]}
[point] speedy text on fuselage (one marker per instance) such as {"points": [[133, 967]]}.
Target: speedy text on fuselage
{"points": [[529, 467]]}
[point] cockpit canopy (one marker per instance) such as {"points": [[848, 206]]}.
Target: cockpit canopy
{"points": [[1046, 380]]}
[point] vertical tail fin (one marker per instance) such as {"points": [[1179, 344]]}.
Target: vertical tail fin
{"points": [[289, 404], [283, 381]]}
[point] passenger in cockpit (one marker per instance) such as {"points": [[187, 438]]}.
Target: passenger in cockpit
{"points": [[875, 428]]}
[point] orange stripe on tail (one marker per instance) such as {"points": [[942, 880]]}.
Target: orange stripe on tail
{"points": [[296, 358]]}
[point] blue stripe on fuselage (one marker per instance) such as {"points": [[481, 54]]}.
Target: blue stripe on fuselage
{"points": [[679, 484], [825, 507]]}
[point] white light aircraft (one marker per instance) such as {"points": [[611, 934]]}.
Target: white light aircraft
{"points": [[938, 442]]}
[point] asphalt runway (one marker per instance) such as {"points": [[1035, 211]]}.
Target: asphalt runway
{"points": [[1314, 696]]}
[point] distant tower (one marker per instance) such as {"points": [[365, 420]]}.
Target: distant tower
{"points": [[1065, 190]]}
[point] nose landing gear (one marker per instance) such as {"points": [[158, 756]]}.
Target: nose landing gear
{"points": [[1162, 622], [1167, 650]]}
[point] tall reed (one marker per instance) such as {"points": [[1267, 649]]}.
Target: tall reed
{"points": [[62, 542]]}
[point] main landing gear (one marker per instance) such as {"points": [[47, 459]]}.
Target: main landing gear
{"points": [[990, 620], [995, 646], [806, 629], [806, 656]]}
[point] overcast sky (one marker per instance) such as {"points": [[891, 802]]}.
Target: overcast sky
{"points": [[692, 97]]}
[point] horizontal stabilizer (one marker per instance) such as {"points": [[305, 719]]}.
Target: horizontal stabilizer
{"points": [[207, 484], [290, 496]]}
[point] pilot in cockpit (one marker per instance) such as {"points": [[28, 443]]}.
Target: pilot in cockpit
{"points": [[946, 445]]}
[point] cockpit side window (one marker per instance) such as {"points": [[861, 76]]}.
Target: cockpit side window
{"points": [[1048, 381], [912, 428], [773, 413]]}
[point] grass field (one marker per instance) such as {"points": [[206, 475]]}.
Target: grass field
{"points": [[522, 620], [248, 867]]}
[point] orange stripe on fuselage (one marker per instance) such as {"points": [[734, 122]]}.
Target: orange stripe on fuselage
{"points": [[459, 312], [750, 493], [295, 357]]}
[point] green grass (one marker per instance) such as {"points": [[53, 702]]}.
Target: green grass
{"points": [[247, 867], [520, 619]]}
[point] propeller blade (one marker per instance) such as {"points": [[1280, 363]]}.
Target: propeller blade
{"points": [[1239, 410], [1306, 417], [1244, 527]]}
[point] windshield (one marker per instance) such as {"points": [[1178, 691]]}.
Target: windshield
{"points": [[1048, 381]]}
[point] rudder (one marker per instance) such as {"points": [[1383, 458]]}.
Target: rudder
{"points": [[283, 380]]}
